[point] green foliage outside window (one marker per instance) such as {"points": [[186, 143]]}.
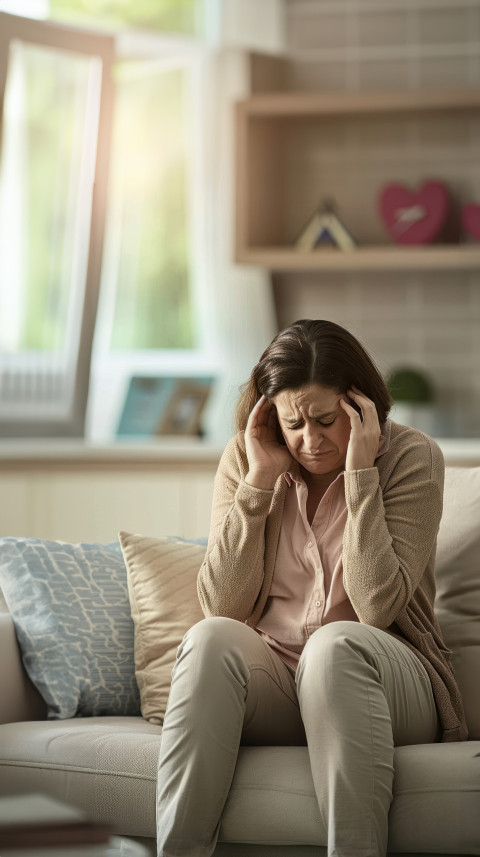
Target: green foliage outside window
{"points": [[148, 254], [148, 214], [147, 266], [44, 120], [178, 16], [46, 188]]}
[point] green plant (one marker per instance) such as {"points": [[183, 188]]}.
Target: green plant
{"points": [[410, 385]]}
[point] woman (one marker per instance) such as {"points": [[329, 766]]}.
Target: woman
{"points": [[318, 587]]}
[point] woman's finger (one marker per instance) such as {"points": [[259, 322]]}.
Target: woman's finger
{"points": [[351, 411], [367, 407], [254, 413], [264, 413], [360, 397], [272, 416]]}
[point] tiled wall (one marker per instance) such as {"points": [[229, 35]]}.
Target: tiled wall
{"points": [[430, 320], [364, 44]]}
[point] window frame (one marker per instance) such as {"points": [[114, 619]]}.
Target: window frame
{"points": [[112, 369], [48, 34], [95, 356]]}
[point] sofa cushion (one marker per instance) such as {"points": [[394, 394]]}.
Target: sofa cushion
{"points": [[457, 574], [434, 809], [107, 766], [70, 607], [162, 583], [436, 799]]}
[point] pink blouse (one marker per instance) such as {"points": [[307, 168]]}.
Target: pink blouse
{"points": [[307, 588]]}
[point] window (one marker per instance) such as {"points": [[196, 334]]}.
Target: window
{"points": [[93, 147], [147, 254], [55, 141], [176, 16]]}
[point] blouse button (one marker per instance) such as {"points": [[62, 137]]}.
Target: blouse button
{"points": [[317, 603]]}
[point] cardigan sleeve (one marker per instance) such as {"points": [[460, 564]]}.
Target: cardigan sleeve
{"points": [[231, 575], [391, 534]]}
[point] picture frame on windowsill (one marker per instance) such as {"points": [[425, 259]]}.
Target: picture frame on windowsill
{"points": [[164, 406]]}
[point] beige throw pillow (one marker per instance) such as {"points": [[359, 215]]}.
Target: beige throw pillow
{"points": [[162, 585]]}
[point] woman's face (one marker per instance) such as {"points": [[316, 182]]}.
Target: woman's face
{"points": [[315, 427]]}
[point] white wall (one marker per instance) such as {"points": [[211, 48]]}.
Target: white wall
{"points": [[92, 505]]}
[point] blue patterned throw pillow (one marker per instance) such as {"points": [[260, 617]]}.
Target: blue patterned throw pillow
{"points": [[71, 611]]}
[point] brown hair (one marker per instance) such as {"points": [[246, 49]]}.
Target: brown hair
{"points": [[313, 352]]}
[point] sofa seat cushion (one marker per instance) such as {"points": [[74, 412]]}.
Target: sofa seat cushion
{"points": [[436, 799], [435, 809], [108, 767], [104, 765]]}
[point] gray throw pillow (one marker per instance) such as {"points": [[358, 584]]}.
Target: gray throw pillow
{"points": [[70, 608]]}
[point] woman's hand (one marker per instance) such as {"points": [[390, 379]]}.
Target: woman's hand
{"points": [[365, 432], [267, 458]]}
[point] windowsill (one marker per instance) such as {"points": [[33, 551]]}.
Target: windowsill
{"points": [[126, 451], [463, 451]]}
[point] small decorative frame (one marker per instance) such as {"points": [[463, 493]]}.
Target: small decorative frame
{"points": [[164, 405]]}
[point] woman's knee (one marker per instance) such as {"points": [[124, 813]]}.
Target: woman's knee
{"points": [[215, 634], [213, 644], [333, 635], [211, 628], [331, 645]]}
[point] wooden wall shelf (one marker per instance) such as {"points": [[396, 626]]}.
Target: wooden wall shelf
{"points": [[388, 258], [294, 148], [288, 104]]}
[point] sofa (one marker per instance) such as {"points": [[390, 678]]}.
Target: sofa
{"points": [[107, 763]]}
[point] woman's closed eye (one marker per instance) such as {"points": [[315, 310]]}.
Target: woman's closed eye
{"points": [[322, 423]]}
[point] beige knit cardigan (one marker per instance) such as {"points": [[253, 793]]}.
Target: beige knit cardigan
{"points": [[394, 511]]}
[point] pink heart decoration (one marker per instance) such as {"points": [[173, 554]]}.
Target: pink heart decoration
{"points": [[471, 220], [414, 217]]}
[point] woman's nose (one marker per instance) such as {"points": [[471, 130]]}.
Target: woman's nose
{"points": [[312, 437]]}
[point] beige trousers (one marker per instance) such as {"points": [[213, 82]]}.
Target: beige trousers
{"points": [[357, 692]]}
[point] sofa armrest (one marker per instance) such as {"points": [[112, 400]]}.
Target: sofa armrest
{"points": [[19, 699]]}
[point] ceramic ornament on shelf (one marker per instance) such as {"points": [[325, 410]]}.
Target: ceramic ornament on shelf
{"points": [[471, 220], [414, 217]]}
